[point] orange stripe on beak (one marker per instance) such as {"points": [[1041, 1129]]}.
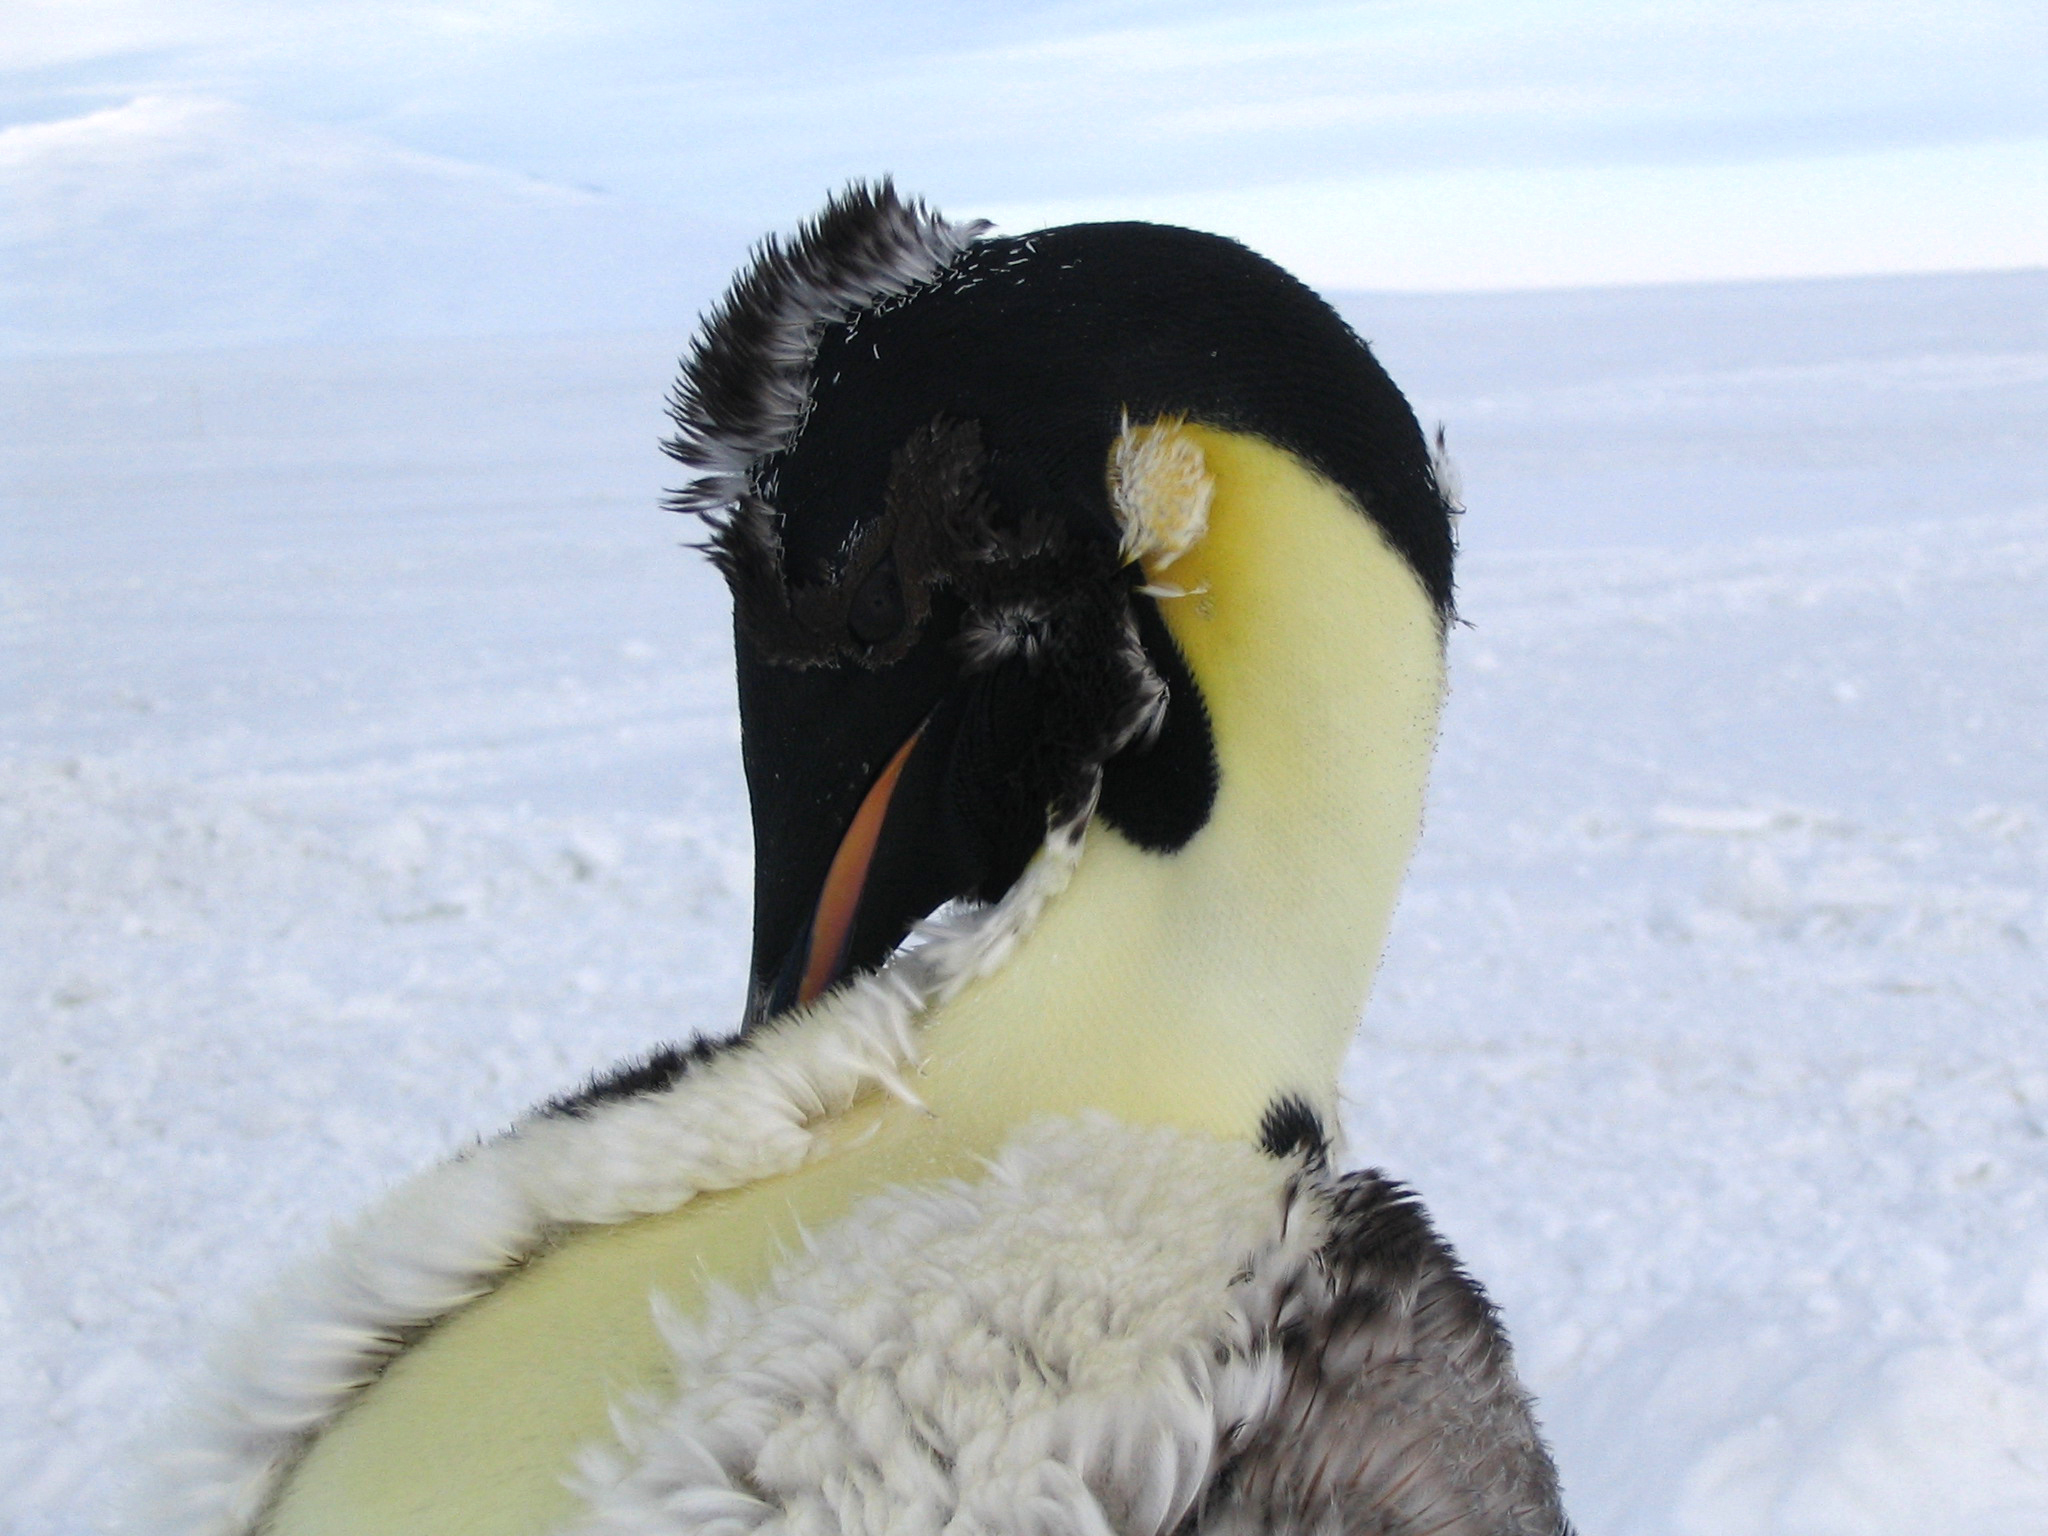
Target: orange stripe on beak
{"points": [[832, 924]]}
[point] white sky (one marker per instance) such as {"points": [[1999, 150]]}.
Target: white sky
{"points": [[1411, 143]]}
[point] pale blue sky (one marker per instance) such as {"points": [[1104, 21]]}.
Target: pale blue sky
{"points": [[1446, 143]]}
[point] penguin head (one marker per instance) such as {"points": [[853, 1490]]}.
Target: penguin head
{"points": [[942, 483]]}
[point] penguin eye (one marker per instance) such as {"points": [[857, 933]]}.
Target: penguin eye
{"points": [[876, 612]]}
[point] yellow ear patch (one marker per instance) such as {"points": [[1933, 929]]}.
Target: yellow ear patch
{"points": [[1160, 486]]}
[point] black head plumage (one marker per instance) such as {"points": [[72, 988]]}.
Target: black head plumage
{"points": [[901, 428]]}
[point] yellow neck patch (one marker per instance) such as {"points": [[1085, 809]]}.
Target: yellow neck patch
{"points": [[1190, 989]]}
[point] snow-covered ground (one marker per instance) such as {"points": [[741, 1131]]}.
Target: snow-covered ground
{"points": [[369, 772]]}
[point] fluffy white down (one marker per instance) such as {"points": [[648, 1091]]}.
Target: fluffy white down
{"points": [[1067, 1345], [450, 1235]]}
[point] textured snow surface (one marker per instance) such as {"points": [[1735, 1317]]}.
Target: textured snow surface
{"points": [[370, 772]]}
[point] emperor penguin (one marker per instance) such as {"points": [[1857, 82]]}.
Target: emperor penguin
{"points": [[1090, 590]]}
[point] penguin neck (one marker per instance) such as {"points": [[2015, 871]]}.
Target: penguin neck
{"points": [[1194, 988]]}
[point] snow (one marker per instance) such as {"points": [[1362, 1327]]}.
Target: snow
{"points": [[188, 220], [370, 773]]}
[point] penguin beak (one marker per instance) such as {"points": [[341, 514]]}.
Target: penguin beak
{"points": [[854, 840], [825, 947]]}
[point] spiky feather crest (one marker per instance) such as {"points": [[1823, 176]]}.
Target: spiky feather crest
{"points": [[747, 381]]}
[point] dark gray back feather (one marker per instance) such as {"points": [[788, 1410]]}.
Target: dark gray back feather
{"points": [[1398, 1411]]}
